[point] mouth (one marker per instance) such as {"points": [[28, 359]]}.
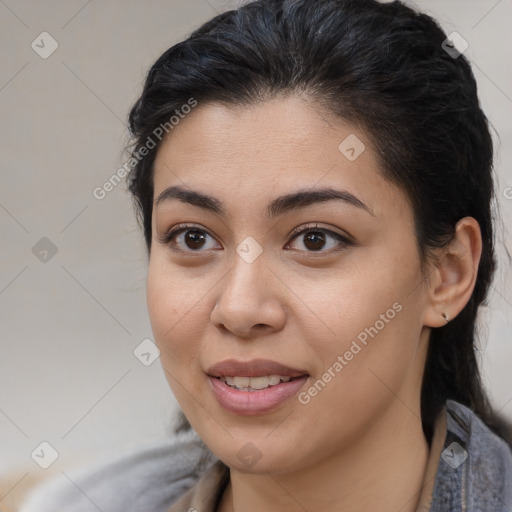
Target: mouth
{"points": [[253, 368], [256, 383], [256, 386]]}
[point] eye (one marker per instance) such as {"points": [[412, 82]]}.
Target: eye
{"points": [[315, 239], [187, 238]]}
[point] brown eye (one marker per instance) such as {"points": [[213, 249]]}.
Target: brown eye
{"points": [[194, 239], [185, 238], [316, 239]]}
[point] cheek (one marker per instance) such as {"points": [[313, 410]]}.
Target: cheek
{"points": [[347, 307], [174, 309], [371, 342], [358, 382], [175, 316]]}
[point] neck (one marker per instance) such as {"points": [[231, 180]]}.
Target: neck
{"points": [[383, 470]]}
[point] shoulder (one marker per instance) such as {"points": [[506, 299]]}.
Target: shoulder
{"points": [[475, 466], [480, 441], [151, 478]]}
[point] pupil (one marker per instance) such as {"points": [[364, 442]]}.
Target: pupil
{"points": [[195, 240], [317, 238]]}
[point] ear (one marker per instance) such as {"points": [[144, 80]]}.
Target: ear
{"points": [[453, 276]]}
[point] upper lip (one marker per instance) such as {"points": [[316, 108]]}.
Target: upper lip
{"points": [[252, 368]]}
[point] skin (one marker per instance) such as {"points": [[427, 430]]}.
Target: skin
{"points": [[358, 444]]}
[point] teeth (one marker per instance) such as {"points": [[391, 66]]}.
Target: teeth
{"points": [[239, 382], [263, 382], [254, 383]]}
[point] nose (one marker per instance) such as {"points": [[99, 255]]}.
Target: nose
{"points": [[249, 301]]}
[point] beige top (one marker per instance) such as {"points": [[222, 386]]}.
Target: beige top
{"points": [[205, 495]]}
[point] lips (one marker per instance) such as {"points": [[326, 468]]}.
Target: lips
{"points": [[247, 401], [253, 368]]}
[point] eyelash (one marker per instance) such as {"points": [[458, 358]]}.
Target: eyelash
{"points": [[168, 237]]}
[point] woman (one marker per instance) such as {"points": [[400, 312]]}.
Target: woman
{"points": [[314, 182]]}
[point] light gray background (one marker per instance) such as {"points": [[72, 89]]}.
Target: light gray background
{"points": [[69, 326]]}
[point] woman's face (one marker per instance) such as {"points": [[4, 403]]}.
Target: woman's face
{"points": [[340, 305]]}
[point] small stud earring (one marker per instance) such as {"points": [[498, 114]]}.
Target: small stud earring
{"points": [[445, 316]]}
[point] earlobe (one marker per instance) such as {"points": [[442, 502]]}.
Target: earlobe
{"points": [[454, 274]]}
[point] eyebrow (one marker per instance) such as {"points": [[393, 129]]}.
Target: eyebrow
{"points": [[278, 206]]}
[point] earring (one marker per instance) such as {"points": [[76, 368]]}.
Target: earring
{"points": [[445, 316]]}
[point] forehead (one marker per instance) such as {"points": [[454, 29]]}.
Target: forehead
{"points": [[241, 154], [281, 128]]}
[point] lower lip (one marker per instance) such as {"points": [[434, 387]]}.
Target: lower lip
{"points": [[250, 403]]}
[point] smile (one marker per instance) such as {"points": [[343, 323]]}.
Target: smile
{"points": [[249, 396], [254, 383]]}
